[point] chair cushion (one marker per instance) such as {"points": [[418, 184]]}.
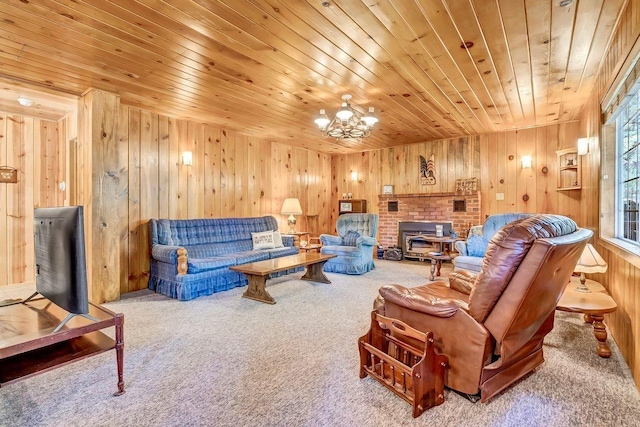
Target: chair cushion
{"points": [[476, 246], [350, 238]]}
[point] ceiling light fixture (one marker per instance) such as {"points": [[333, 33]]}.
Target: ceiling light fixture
{"points": [[25, 102], [348, 123]]}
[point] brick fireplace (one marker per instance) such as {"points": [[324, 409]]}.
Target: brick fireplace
{"points": [[426, 207]]}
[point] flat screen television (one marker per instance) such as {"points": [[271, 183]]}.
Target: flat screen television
{"points": [[61, 272]]}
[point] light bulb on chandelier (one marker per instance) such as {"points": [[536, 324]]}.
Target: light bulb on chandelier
{"points": [[348, 123]]}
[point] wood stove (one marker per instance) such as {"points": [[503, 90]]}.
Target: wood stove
{"points": [[411, 236]]}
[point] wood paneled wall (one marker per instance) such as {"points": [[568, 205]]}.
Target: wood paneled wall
{"points": [[35, 148], [495, 159], [232, 176], [622, 278]]}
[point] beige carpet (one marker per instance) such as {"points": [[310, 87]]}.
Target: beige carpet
{"points": [[228, 361]]}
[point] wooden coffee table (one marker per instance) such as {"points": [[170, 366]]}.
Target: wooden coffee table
{"points": [[594, 305], [258, 272]]}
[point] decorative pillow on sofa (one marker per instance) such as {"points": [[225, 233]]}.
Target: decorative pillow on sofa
{"points": [[350, 238], [277, 240], [263, 240], [476, 245]]}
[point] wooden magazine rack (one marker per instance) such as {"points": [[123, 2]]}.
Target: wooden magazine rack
{"points": [[415, 375]]}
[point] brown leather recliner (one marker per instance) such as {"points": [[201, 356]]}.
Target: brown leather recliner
{"points": [[491, 326]]}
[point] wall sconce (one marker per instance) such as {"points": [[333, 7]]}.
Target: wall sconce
{"points": [[187, 158], [354, 176], [583, 146], [526, 162]]}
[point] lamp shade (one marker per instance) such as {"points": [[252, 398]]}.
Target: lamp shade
{"points": [[291, 207], [590, 261]]}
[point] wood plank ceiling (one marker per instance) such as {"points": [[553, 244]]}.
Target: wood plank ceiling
{"points": [[265, 67]]}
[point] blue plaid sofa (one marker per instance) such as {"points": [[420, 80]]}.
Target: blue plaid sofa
{"points": [[212, 246]]}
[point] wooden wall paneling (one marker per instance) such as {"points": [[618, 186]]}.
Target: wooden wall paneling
{"points": [[512, 165], [27, 189], [183, 171], [149, 191], [123, 154], [208, 171], [526, 176], [373, 180], [195, 195], [227, 173], [300, 184], [136, 245], [4, 264], [240, 173], [84, 177], [173, 171], [501, 167], [544, 191], [386, 167], [49, 164], [264, 186], [253, 199], [487, 174], [278, 186], [15, 253], [99, 128], [163, 167], [216, 172]]}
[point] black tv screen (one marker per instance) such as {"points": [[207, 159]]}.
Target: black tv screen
{"points": [[61, 273]]}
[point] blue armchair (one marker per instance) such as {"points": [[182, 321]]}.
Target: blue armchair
{"points": [[353, 246], [472, 250]]}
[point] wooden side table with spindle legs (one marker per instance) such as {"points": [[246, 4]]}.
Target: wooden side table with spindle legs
{"points": [[594, 305]]}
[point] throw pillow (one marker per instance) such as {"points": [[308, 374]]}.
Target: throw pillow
{"points": [[350, 238], [476, 245], [262, 240], [277, 240]]}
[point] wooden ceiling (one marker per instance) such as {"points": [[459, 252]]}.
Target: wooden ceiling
{"points": [[265, 67]]}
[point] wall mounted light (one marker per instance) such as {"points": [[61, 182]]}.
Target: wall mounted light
{"points": [[526, 162], [583, 146], [354, 176], [187, 158]]}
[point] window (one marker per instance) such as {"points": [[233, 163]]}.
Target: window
{"points": [[628, 176]]}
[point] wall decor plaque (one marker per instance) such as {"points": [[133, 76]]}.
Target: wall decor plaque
{"points": [[469, 185], [8, 175]]}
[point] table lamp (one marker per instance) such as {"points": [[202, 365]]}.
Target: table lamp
{"points": [[291, 207], [590, 262]]}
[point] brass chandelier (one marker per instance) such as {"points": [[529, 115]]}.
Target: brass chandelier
{"points": [[348, 123]]}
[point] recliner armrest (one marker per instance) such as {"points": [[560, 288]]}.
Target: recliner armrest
{"points": [[329, 240], [461, 247], [421, 301], [366, 241], [462, 281]]}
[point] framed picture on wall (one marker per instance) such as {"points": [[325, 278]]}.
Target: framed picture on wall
{"points": [[346, 206]]}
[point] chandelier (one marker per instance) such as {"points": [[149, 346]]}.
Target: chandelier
{"points": [[348, 123]]}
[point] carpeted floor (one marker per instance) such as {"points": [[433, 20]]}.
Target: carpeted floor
{"points": [[224, 360]]}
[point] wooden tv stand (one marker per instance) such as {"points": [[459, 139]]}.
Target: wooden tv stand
{"points": [[29, 347]]}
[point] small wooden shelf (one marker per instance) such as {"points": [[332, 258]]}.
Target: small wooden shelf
{"points": [[569, 170], [352, 206]]}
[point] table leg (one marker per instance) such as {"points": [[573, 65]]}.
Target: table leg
{"points": [[600, 331], [257, 289], [314, 273], [439, 264], [119, 321], [433, 268]]}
